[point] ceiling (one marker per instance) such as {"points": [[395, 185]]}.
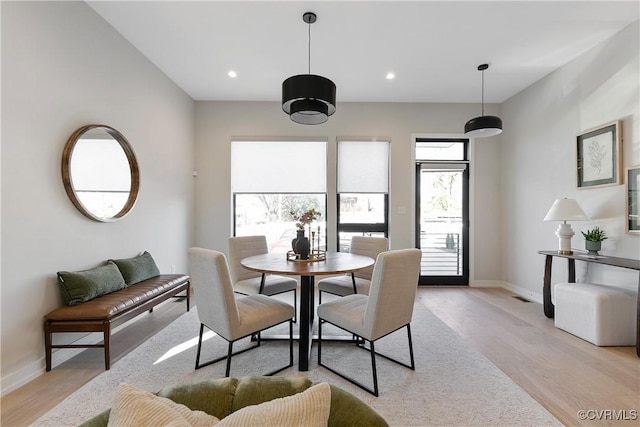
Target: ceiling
{"points": [[433, 47]]}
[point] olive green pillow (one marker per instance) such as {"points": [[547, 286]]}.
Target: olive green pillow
{"points": [[80, 286], [137, 269]]}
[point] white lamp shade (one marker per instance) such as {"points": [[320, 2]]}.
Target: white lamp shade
{"points": [[565, 210]]}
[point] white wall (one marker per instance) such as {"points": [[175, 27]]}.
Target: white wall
{"points": [[218, 122], [538, 162], [64, 67]]}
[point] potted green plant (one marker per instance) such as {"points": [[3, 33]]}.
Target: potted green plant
{"points": [[593, 240]]}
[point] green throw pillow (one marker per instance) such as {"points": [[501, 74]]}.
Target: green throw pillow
{"points": [[80, 286], [137, 269]]}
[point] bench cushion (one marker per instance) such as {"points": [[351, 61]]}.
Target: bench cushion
{"points": [[80, 286], [138, 268], [110, 305]]}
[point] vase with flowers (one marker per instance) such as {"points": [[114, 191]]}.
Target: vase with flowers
{"points": [[300, 244]]}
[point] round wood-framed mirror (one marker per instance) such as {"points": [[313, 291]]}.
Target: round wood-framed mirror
{"points": [[100, 173]]}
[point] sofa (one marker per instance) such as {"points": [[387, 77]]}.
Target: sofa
{"points": [[225, 396], [118, 290]]}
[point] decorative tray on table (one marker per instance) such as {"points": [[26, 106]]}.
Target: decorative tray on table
{"points": [[314, 256]]}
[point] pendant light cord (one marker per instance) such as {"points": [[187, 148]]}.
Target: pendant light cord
{"points": [[482, 93], [309, 47]]}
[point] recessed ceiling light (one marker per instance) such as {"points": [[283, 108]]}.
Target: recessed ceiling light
{"points": [[391, 76], [232, 74]]}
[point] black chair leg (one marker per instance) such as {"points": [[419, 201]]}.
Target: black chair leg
{"points": [[373, 368], [361, 342], [229, 353], [295, 306], [413, 363], [373, 391], [199, 346], [290, 342], [320, 341]]}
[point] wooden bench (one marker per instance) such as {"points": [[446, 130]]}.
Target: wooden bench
{"points": [[97, 314]]}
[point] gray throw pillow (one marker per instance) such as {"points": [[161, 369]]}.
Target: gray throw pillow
{"points": [[137, 269], [80, 286]]}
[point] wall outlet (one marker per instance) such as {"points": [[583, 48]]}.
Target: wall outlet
{"points": [[173, 268]]}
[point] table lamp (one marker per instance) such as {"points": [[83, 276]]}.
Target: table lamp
{"points": [[565, 210]]}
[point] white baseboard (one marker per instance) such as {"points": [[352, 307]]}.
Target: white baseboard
{"points": [[520, 291], [17, 379], [485, 284], [523, 292]]}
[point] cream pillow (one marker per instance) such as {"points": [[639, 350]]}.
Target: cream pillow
{"points": [[136, 407], [309, 409]]}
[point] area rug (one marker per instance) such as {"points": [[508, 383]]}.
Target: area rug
{"points": [[453, 384]]}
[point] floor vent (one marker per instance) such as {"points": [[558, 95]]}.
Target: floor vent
{"points": [[521, 298]]}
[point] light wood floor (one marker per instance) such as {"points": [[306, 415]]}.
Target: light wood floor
{"points": [[563, 373]]}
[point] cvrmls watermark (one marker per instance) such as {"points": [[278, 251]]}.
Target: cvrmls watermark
{"points": [[608, 414]]}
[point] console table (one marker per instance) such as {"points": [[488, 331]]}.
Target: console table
{"points": [[549, 309]]}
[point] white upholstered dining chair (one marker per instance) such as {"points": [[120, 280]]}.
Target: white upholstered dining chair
{"points": [[249, 282], [387, 308], [357, 282], [230, 317]]}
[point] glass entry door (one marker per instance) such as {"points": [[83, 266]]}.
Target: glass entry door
{"points": [[442, 212], [441, 232]]}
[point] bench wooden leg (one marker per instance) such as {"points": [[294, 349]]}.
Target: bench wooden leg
{"points": [[47, 346], [189, 297], [107, 345]]}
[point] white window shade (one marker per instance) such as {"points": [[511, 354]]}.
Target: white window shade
{"points": [[363, 166], [279, 166]]}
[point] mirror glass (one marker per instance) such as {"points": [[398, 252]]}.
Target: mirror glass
{"points": [[100, 173]]}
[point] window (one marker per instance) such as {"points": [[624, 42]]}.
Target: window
{"points": [[363, 187], [272, 179]]}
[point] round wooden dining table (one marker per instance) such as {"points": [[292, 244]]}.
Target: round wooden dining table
{"points": [[335, 263]]}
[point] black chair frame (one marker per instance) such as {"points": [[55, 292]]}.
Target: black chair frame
{"points": [[230, 352], [361, 343]]}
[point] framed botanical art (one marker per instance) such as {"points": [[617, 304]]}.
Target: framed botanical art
{"points": [[633, 200], [599, 153]]}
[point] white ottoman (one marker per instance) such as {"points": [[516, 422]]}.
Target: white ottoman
{"points": [[602, 315]]}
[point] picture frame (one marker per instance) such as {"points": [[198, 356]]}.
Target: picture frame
{"points": [[633, 200], [599, 156]]}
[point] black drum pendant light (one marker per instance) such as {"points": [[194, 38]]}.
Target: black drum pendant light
{"points": [[309, 99], [483, 126]]}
